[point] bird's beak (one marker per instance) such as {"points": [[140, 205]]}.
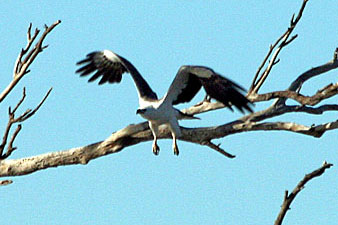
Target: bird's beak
{"points": [[140, 111]]}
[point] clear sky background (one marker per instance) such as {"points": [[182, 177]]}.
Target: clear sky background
{"points": [[135, 187]]}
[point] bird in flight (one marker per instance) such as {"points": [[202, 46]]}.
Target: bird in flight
{"points": [[109, 67]]}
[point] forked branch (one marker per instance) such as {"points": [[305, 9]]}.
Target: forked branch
{"points": [[21, 67], [13, 120], [324, 93], [296, 85], [272, 54]]}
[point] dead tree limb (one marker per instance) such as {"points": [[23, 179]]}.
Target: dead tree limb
{"points": [[281, 42], [13, 120], [21, 67], [324, 93], [288, 198], [297, 84], [137, 133]]}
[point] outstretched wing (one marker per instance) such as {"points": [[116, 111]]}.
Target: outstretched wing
{"points": [[110, 67], [190, 79]]}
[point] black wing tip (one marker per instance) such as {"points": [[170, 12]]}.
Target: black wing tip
{"points": [[83, 61], [241, 102], [244, 105], [229, 93], [88, 58], [91, 54], [247, 108]]}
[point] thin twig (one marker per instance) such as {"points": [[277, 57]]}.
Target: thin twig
{"points": [[18, 63], [218, 149], [264, 62], [5, 136], [30, 112], [5, 182], [20, 102], [10, 148]]}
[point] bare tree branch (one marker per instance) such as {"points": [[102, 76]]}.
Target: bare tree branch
{"points": [[218, 149], [29, 113], [10, 148], [315, 131], [274, 112], [324, 93], [288, 198], [297, 84], [21, 67], [136, 133], [12, 120], [283, 41]]}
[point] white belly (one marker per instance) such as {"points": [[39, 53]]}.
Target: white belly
{"points": [[162, 114]]}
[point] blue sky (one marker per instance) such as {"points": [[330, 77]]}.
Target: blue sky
{"points": [[135, 187]]}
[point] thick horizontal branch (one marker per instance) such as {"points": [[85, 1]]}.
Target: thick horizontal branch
{"points": [[311, 110], [288, 198], [324, 93], [134, 134], [315, 131]]}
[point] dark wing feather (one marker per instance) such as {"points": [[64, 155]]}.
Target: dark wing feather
{"points": [[87, 69], [188, 82], [109, 69], [227, 92], [188, 92], [95, 76]]}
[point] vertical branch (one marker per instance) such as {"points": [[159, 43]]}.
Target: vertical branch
{"points": [[283, 41]]}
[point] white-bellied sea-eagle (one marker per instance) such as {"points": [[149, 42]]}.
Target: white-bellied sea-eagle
{"points": [[109, 67]]}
